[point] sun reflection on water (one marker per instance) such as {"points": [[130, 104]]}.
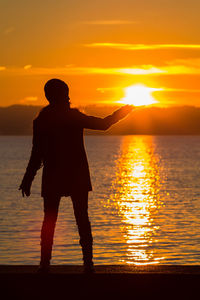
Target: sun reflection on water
{"points": [[136, 199]]}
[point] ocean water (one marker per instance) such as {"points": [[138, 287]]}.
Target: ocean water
{"points": [[144, 208]]}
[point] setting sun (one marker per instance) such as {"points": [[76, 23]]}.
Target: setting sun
{"points": [[139, 94]]}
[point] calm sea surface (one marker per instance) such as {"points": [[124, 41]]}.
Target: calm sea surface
{"points": [[144, 208]]}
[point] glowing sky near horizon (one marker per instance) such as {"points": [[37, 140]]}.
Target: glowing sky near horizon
{"points": [[100, 48]]}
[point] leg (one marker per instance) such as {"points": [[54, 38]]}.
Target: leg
{"points": [[80, 205], [51, 205]]}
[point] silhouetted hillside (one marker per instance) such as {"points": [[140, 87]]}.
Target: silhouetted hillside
{"points": [[176, 120], [17, 120]]}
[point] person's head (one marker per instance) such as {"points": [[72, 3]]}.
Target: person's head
{"points": [[56, 91]]}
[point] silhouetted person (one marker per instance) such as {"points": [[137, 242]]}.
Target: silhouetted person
{"points": [[58, 146]]}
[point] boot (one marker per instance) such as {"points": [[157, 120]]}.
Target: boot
{"points": [[87, 258], [46, 249], [89, 267], [44, 268]]}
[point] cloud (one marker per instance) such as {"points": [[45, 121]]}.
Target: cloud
{"points": [[165, 89], [133, 47], [144, 70], [29, 99], [2, 68], [189, 66], [189, 62], [27, 67], [73, 70], [181, 70], [175, 67], [181, 90], [109, 22]]}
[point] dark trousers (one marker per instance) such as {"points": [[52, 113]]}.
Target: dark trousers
{"points": [[80, 206]]}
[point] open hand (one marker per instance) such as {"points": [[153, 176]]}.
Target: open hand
{"points": [[128, 108], [26, 189], [124, 111]]}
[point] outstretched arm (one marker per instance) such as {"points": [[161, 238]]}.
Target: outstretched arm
{"points": [[34, 164], [105, 123]]}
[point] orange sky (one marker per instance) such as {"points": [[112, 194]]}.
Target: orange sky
{"points": [[99, 48]]}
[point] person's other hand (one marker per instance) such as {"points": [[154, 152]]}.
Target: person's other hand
{"points": [[26, 189]]}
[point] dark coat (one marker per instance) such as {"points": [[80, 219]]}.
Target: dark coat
{"points": [[58, 145]]}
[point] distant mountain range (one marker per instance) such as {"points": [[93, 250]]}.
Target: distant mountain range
{"points": [[17, 120]]}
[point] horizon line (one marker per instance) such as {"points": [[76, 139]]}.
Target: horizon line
{"points": [[106, 104]]}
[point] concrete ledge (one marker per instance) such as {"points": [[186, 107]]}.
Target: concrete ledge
{"points": [[104, 269], [160, 281]]}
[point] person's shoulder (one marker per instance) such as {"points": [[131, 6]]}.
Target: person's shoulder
{"points": [[42, 115], [75, 112]]}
